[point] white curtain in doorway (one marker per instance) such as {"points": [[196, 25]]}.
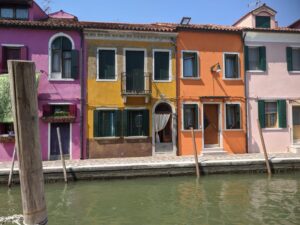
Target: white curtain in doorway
{"points": [[160, 122]]}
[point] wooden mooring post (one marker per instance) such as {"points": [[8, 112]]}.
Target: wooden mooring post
{"points": [[264, 148], [25, 113], [11, 173], [195, 153], [62, 155]]}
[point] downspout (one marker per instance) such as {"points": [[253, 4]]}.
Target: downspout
{"points": [[244, 34], [82, 96], [177, 91]]}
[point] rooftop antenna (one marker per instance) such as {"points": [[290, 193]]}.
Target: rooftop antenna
{"points": [[256, 4], [46, 6]]}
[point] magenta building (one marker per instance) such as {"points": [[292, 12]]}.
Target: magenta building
{"points": [[54, 42]]}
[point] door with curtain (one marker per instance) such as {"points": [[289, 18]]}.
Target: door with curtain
{"points": [[65, 140]]}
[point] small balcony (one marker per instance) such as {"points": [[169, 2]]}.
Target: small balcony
{"points": [[136, 84]]}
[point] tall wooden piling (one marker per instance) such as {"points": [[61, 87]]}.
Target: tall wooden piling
{"points": [[195, 153], [25, 112], [62, 155]]}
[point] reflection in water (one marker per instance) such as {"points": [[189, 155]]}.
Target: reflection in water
{"points": [[220, 199]]}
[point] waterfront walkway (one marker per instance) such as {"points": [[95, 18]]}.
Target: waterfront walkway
{"points": [[162, 166]]}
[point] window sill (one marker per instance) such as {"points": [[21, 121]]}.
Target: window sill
{"points": [[273, 129], [162, 81], [232, 79], [106, 80], [66, 80], [294, 72], [233, 130], [190, 78], [136, 137], [5, 138], [106, 138], [256, 71], [197, 130]]}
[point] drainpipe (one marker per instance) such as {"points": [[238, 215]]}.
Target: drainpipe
{"points": [[244, 34], [177, 92], [82, 96]]}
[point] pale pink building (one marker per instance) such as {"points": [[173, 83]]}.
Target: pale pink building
{"points": [[272, 81]]}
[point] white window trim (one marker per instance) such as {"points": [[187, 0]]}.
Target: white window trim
{"points": [[255, 46], [241, 126], [137, 109], [50, 56], [198, 62], [294, 47], [224, 65], [116, 65], [170, 65], [182, 115], [13, 45], [277, 127]]}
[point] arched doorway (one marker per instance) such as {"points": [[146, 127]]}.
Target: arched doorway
{"points": [[164, 134]]}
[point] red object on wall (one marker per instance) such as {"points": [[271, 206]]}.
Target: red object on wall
{"points": [[73, 110], [46, 110], [24, 53]]}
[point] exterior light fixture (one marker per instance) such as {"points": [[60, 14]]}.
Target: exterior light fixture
{"points": [[216, 68], [185, 20]]}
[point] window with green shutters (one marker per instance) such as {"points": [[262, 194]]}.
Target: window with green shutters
{"points": [[162, 65], [190, 64], [263, 22], [255, 58], [190, 116], [107, 123], [293, 59], [272, 114], [231, 61], [136, 122], [106, 64]]}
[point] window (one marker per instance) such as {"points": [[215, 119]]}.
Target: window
{"points": [[272, 114], [161, 66], [231, 65], [14, 13], [136, 122], [293, 59], [233, 116], [106, 64], [263, 22], [7, 129], [255, 58], [9, 53], [107, 123], [190, 116], [59, 110], [64, 60], [190, 64]]}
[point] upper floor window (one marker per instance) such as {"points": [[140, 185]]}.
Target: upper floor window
{"points": [[293, 59], [162, 65], [64, 60], [106, 64], [231, 61], [14, 13], [190, 64], [263, 22], [9, 53], [255, 58]]}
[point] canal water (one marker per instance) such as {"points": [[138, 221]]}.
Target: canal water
{"points": [[215, 199]]}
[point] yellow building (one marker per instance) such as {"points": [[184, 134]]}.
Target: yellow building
{"points": [[131, 90]]}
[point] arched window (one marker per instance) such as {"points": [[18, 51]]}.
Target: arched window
{"points": [[64, 60]]}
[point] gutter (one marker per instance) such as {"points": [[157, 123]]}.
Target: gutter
{"points": [[82, 98]]}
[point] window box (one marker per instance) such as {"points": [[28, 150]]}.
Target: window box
{"points": [[59, 113], [7, 139]]}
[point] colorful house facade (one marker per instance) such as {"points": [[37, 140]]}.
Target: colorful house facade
{"points": [[54, 43], [211, 89], [272, 80], [131, 90]]}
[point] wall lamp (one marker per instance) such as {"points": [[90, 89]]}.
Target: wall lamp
{"points": [[216, 68]]}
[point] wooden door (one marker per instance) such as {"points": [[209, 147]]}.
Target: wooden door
{"points": [[211, 124], [65, 139]]}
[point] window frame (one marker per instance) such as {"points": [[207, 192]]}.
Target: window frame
{"points": [[198, 77], [14, 10], [137, 109], [294, 47], [8, 134], [116, 64], [57, 35], [108, 137], [238, 65], [225, 115], [269, 17], [170, 65], [255, 46], [277, 116], [182, 115]]}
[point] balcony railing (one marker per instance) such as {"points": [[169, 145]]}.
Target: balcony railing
{"points": [[136, 83]]}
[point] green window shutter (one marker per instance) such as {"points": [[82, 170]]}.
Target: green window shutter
{"points": [[96, 124], [282, 113], [246, 54], [146, 122], [125, 123], [195, 65], [74, 64], [261, 113], [262, 58], [118, 123], [289, 58]]}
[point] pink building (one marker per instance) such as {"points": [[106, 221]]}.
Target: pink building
{"points": [[272, 81], [54, 43]]}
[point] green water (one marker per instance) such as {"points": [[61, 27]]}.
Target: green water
{"points": [[217, 199]]}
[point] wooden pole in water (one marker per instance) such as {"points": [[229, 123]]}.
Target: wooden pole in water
{"points": [[62, 155], [25, 112], [195, 153], [11, 169], [264, 148]]}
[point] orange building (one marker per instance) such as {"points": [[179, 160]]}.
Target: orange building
{"points": [[211, 89]]}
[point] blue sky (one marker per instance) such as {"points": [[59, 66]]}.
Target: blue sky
{"points": [[224, 12]]}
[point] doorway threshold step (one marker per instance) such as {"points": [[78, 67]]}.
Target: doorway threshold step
{"points": [[213, 151], [295, 149]]}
